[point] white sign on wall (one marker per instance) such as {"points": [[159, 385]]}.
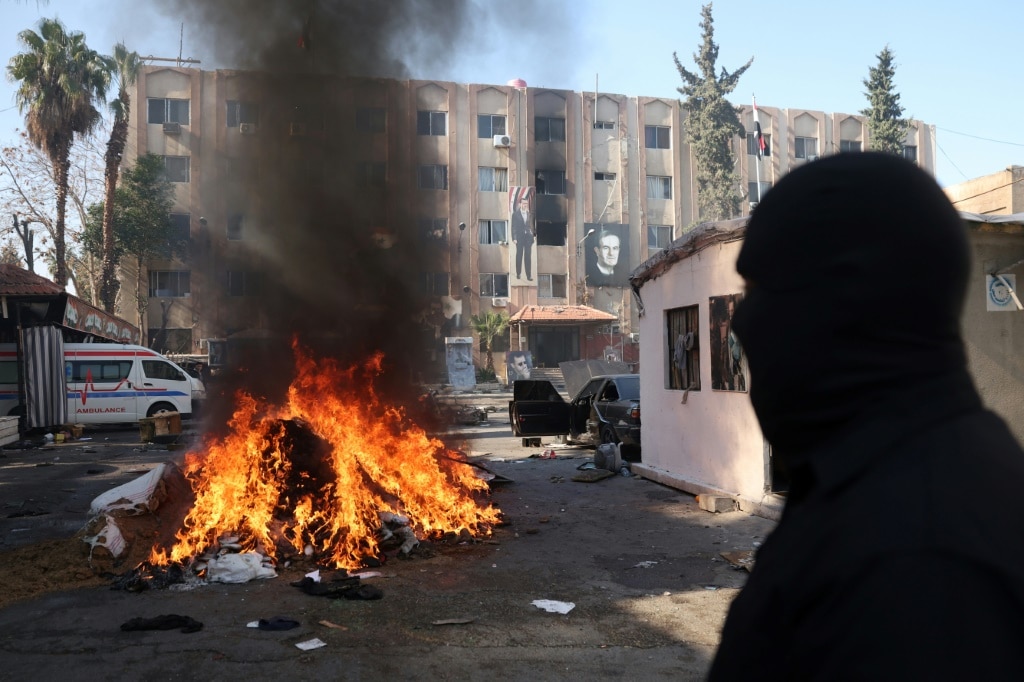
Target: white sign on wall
{"points": [[999, 296]]}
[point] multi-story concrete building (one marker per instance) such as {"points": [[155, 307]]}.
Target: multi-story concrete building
{"points": [[447, 163]]}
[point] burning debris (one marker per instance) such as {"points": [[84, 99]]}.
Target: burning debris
{"points": [[335, 476]]}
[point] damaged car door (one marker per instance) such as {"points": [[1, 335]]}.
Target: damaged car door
{"points": [[537, 409]]}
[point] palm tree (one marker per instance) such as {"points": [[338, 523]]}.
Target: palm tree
{"points": [[488, 326], [59, 78], [124, 68]]}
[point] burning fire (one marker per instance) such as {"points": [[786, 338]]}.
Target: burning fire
{"points": [[269, 486]]}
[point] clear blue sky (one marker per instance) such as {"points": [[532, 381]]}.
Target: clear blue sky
{"points": [[956, 62]]}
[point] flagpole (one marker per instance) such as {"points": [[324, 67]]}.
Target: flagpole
{"points": [[757, 142]]}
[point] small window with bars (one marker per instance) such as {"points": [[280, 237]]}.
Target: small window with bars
{"points": [[683, 349]]}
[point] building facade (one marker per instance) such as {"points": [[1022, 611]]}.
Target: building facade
{"points": [[1000, 193], [601, 183]]}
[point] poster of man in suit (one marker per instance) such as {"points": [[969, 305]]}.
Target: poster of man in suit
{"points": [[606, 255], [524, 236]]}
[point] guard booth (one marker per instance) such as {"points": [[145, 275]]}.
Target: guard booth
{"points": [[37, 318]]}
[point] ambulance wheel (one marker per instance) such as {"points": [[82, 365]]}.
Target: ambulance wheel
{"points": [[160, 409]]}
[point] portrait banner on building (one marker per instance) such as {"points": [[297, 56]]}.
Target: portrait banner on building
{"points": [[523, 250], [459, 360], [518, 365], [606, 254], [728, 371]]}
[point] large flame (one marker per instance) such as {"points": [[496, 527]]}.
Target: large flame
{"points": [[254, 485]]}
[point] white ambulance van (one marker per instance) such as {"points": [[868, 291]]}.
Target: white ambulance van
{"points": [[109, 383]]}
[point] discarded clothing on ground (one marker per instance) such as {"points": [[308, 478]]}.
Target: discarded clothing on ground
{"points": [[166, 622], [344, 588]]}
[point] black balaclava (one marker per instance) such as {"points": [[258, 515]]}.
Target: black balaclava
{"points": [[857, 267]]}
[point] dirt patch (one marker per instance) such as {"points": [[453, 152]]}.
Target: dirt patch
{"points": [[50, 566]]}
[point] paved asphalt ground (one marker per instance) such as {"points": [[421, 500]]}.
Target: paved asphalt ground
{"points": [[641, 563]]}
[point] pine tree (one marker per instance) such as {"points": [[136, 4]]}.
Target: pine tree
{"points": [[713, 123], [886, 125]]}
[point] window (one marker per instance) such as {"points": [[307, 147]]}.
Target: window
{"points": [[371, 120], [658, 237], [242, 112], [752, 144], [657, 137], [176, 168], [243, 283], [752, 194], [550, 182], [181, 227], [236, 222], [601, 175], [683, 351], [433, 177], [659, 187], [434, 283], [604, 125], [806, 148], [371, 174], [169, 283], [431, 123], [849, 145], [551, 286], [489, 125], [492, 179], [98, 371], [158, 369], [551, 233], [493, 284], [433, 228], [549, 129], [493, 231], [910, 152], [168, 111]]}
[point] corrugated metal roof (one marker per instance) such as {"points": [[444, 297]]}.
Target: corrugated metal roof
{"points": [[16, 281], [561, 313]]}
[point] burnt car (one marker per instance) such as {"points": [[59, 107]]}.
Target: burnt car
{"points": [[605, 410]]}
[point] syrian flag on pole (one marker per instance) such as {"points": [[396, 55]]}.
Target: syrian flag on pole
{"points": [[758, 137]]}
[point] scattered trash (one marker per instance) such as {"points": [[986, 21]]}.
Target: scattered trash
{"points": [[644, 564], [711, 588], [277, 623], [592, 476], [552, 606], [340, 588], [740, 560], [454, 621], [311, 644], [329, 624], [167, 622], [314, 575], [238, 568]]}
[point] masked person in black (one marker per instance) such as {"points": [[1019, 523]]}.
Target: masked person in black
{"points": [[899, 554]]}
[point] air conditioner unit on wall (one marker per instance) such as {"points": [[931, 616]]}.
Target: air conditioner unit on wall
{"points": [[502, 141], [247, 128], [499, 302], [812, 157], [634, 337], [172, 129]]}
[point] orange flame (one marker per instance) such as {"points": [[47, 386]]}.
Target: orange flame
{"points": [[245, 483]]}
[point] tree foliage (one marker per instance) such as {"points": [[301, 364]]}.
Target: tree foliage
{"points": [[489, 326], [59, 82], [711, 125], [886, 124], [123, 66], [27, 189], [141, 216]]}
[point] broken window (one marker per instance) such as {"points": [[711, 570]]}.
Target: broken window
{"points": [[683, 349]]}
